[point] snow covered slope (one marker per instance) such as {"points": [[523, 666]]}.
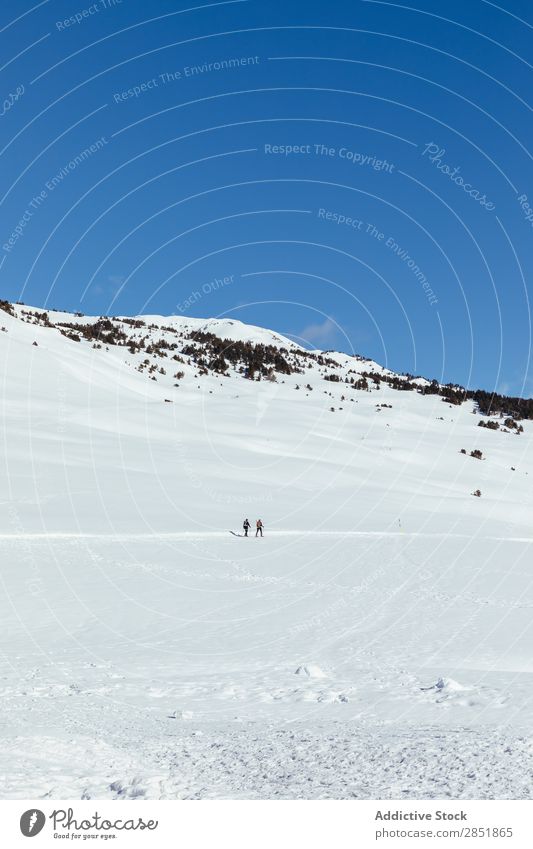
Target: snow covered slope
{"points": [[386, 606], [120, 438]]}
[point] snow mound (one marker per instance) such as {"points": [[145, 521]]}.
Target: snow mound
{"points": [[450, 685], [311, 670], [181, 714]]}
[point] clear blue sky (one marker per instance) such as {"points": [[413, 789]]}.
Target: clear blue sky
{"points": [[351, 173]]}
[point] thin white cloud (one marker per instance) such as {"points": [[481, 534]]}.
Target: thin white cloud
{"points": [[320, 333]]}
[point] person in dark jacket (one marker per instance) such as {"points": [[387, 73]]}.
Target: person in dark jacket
{"points": [[259, 528], [246, 527]]}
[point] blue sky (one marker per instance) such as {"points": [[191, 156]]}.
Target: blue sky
{"points": [[354, 174]]}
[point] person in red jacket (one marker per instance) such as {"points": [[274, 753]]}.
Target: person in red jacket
{"points": [[259, 528]]}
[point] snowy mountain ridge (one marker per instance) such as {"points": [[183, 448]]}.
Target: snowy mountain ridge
{"points": [[146, 330], [161, 334]]}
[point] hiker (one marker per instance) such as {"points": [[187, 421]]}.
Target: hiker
{"points": [[246, 527], [259, 528]]}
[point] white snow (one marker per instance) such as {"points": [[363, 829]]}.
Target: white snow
{"points": [[375, 643]]}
